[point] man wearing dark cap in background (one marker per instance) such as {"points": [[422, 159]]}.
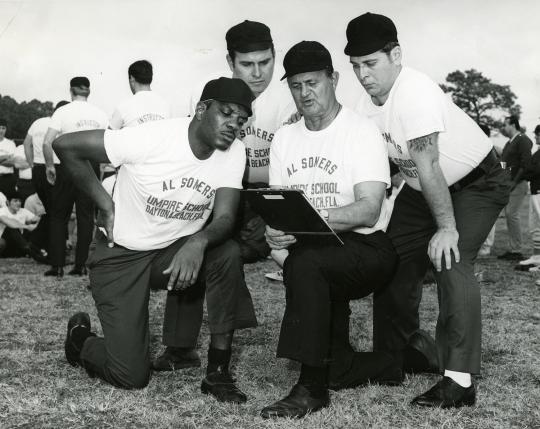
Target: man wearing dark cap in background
{"points": [[251, 57], [174, 174], [79, 115], [8, 179], [339, 160], [454, 191]]}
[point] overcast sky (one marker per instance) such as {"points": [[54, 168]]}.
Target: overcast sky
{"points": [[44, 43]]}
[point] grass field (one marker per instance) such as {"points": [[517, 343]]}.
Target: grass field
{"points": [[39, 389]]}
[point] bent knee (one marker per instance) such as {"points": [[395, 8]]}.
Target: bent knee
{"points": [[133, 380]]}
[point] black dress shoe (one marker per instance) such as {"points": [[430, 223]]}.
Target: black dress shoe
{"points": [[367, 368], [222, 386], [57, 272], [176, 358], [78, 270], [447, 394], [296, 404], [78, 330], [420, 354]]}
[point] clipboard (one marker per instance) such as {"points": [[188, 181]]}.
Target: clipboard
{"points": [[290, 211]]}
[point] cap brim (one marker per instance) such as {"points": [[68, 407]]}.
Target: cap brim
{"points": [[228, 100]]}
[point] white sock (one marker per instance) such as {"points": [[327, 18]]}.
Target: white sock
{"points": [[461, 378]]}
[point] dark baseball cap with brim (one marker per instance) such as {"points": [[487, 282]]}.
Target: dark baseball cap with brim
{"points": [[229, 90], [306, 56], [249, 36], [369, 33], [79, 82]]}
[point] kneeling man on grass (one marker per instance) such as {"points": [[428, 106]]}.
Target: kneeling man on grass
{"points": [[340, 161], [172, 175]]}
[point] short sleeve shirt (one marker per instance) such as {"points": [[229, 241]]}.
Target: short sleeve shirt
{"points": [[22, 216], [37, 132], [326, 164], [7, 147], [416, 107], [163, 192], [142, 107]]}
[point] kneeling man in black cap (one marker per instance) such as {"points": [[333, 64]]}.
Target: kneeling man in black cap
{"points": [[172, 175], [338, 158]]}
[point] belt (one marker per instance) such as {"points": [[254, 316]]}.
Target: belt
{"points": [[481, 169]]}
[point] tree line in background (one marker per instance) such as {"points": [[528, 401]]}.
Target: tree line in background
{"points": [[484, 101], [20, 116]]}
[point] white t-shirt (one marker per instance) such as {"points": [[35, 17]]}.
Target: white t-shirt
{"points": [[416, 107], [22, 216], [142, 107], [326, 164], [2, 200], [270, 110], [37, 131], [78, 116], [163, 192], [7, 147], [25, 173]]}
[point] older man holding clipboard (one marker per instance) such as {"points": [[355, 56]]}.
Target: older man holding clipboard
{"points": [[339, 160]]}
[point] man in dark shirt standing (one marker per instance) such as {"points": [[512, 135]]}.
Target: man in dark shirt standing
{"points": [[517, 155], [532, 173]]}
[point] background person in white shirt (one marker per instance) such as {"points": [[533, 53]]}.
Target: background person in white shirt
{"points": [[454, 191], [33, 149], [145, 105], [174, 174], [79, 115], [7, 151]]}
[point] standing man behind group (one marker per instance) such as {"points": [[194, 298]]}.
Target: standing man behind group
{"points": [[251, 58], [455, 189], [79, 115], [33, 150], [8, 179], [145, 105], [517, 156]]}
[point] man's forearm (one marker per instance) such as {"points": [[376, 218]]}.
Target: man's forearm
{"points": [[48, 154], [437, 195], [216, 232], [358, 214], [12, 223]]}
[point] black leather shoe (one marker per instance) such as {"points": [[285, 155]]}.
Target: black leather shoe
{"points": [[78, 270], [447, 394], [296, 404], [511, 256], [367, 368], [78, 330], [222, 386], [176, 358], [420, 354], [57, 272]]}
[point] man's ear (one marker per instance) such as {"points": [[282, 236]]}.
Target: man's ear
{"points": [[335, 79], [395, 54], [230, 62], [200, 109]]}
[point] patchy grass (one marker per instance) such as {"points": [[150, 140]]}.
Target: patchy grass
{"points": [[39, 389]]}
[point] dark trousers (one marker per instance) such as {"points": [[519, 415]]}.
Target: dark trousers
{"points": [[25, 188], [121, 280], [16, 243], [320, 281], [7, 183], [396, 318], [63, 195], [43, 190]]}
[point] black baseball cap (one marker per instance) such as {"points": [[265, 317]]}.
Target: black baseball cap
{"points": [[229, 90], [248, 36], [369, 33], [306, 56], [80, 82]]}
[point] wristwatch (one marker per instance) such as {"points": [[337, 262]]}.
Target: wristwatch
{"points": [[324, 213]]}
